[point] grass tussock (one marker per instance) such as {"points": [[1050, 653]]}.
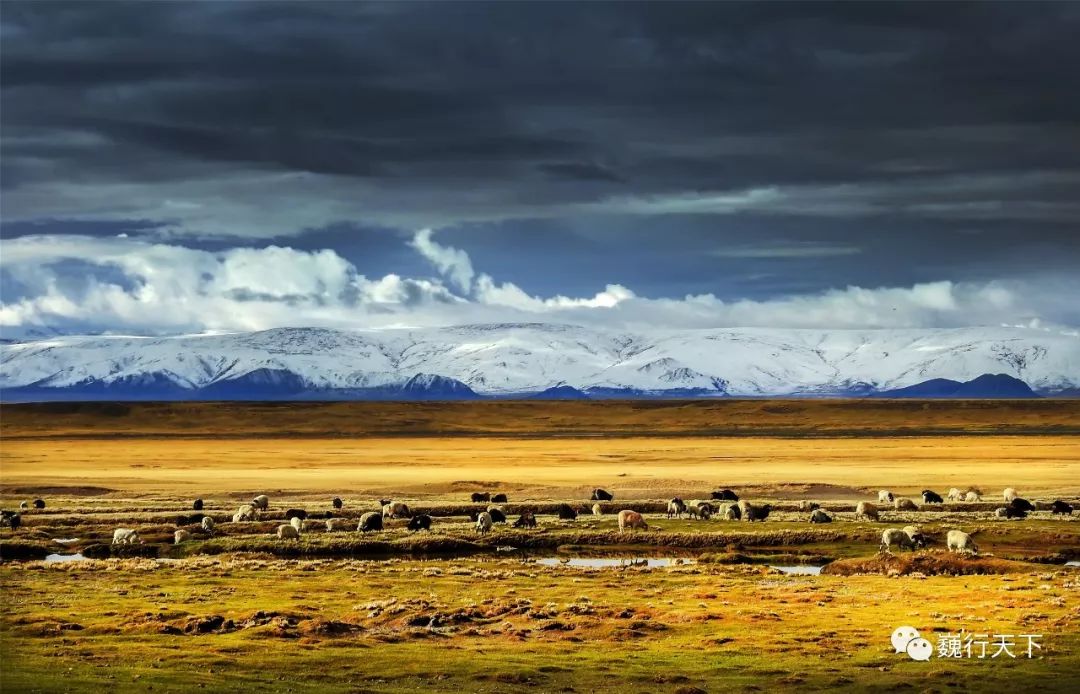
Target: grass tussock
{"points": [[783, 558], [16, 550], [101, 550], [338, 546], [925, 564]]}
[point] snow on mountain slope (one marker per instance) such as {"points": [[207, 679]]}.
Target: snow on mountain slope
{"points": [[525, 358]]}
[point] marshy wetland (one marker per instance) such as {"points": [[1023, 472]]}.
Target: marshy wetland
{"points": [[688, 605]]}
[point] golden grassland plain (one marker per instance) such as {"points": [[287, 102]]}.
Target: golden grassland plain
{"points": [[500, 626], [395, 611], [542, 467]]}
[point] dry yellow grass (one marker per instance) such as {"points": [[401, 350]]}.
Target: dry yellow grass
{"points": [[542, 468], [503, 626]]}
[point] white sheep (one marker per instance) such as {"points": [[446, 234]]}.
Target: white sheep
{"points": [[1009, 494], [597, 510], [915, 533], [297, 523], [631, 520], [960, 542], [261, 502], [972, 497], [334, 524], [483, 522], [885, 497], [395, 509], [891, 537], [819, 516], [955, 495], [902, 504], [181, 536], [125, 536], [247, 512], [676, 508], [208, 525], [700, 509], [746, 511], [865, 510], [288, 531]]}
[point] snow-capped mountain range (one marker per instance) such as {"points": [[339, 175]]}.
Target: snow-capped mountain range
{"points": [[520, 359]]}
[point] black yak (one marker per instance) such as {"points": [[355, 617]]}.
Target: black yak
{"points": [[1061, 507], [370, 521], [420, 522], [525, 520], [1022, 504], [930, 497], [1015, 512], [192, 519], [11, 519]]}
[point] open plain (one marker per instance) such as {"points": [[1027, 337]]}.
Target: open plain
{"points": [[572, 605]]}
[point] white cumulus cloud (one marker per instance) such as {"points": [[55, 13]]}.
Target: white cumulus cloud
{"points": [[454, 263], [92, 284]]}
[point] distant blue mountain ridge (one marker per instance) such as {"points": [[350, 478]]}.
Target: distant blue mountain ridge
{"points": [[281, 384], [1001, 386]]}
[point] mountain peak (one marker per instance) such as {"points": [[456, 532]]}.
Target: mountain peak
{"points": [[980, 387], [435, 386], [560, 392]]}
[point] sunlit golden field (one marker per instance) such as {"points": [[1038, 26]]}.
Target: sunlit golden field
{"points": [[351, 626], [450, 610], [541, 468]]}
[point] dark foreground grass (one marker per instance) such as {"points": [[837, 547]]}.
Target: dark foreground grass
{"points": [[227, 624], [713, 417]]}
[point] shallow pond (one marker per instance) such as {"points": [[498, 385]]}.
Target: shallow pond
{"points": [[655, 563], [799, 569], [55, 558], [620, 562]]}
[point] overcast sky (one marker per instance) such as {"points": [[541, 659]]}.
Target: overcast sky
{"points": [[173, 167]]}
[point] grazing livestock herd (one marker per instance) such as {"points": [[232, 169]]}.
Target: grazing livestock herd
{"points": [[484, 520]]}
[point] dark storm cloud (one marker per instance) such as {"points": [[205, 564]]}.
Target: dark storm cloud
{"points": [[819, 144]]}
